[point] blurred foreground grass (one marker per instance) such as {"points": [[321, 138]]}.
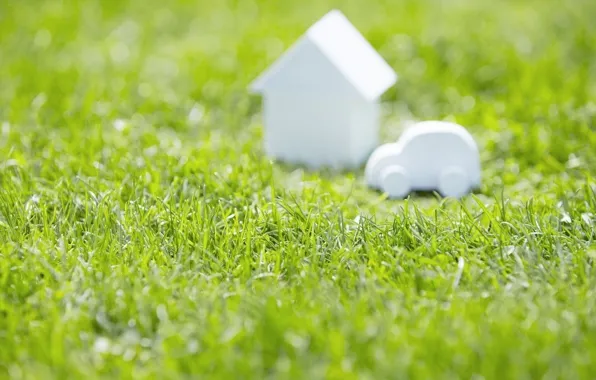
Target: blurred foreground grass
{"points": [[143, 234]]}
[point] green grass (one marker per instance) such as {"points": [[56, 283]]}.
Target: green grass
{"points": [[138, 242]]}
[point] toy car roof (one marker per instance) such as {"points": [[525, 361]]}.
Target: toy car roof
{"points": [[436, 127]]}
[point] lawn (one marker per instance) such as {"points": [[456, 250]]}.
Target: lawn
{"points": [[143, 234]]}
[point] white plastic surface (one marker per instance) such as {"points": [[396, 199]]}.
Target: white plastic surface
{"points": [[321, 97], [351, 55], [431, 155]]}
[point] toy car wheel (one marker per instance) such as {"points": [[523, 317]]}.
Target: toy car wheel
{"points": [[454, 182], [380, 159], [395, 181]]}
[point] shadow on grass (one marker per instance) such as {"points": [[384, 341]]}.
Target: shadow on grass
{"points": [[326, 173], [335, 175]]}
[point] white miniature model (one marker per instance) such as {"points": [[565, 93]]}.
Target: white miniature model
{"points": [[431, 155], [321, 97]]}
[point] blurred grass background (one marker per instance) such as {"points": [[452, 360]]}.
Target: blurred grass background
{"points": [[144, 234], [518, 73]]}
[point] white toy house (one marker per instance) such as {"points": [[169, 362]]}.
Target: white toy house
{"points": [[321, 97]]}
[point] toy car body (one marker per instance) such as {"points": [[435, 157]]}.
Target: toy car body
{"points": [[431, 155]]}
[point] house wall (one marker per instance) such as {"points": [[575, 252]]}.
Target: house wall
{"points": [[313, 115], [364, 131], [313, 131]]}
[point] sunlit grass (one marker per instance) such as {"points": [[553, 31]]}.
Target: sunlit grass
{"points": [[143, 233]]}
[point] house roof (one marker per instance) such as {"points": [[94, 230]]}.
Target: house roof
{"points": [[352, 55]]}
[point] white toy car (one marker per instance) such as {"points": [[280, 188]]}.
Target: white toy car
{"points": [[431, 155]]}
